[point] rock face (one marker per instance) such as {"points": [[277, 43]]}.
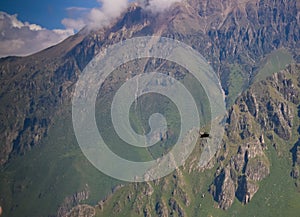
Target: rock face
{"points": [[161, 209], [243, 31], [239, 178], [223, 188], [71, 206], [81, 211], [245, 190], [267, 107], [35, 88], [270, 109], [175, 207], [241, 163], [296, 161]]}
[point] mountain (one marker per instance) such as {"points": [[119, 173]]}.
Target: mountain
{"points": [[262, 135], [245, 42]]}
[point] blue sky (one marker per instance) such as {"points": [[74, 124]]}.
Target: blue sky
{"points": [[46, 13], [28, 26]]}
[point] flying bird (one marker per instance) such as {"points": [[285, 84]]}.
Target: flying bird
{"points": [[204, 135]]}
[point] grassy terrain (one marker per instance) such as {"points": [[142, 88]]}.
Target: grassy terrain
{"points": [[277, 195], [274, 62], [237, 83], [139, 115], [37, 183]]}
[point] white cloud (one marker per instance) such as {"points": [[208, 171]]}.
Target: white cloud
{"points": [[157, 5], [95, 17], [107, 11], [113, 8], [63, 32], [76, 9], [75, 24], [22, 38], [160, 5]]}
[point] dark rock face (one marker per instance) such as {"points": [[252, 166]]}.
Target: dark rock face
{"points": [[175, 207], [296, 160], [161, 210], [245, 190], [296, 153], [223, 189]]}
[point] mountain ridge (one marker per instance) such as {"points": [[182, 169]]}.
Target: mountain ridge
{"points": [[37, 90], [223, 47], [240, 166]]}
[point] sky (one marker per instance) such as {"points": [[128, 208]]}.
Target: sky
{"points": [[47, 13], [28, 26]]}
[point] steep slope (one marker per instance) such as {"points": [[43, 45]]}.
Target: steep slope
{"points": [[235, 37], [32, 90], [268, 110], [263, 121]]}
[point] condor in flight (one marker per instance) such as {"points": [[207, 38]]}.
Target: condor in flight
{"points": [[204, 135]]}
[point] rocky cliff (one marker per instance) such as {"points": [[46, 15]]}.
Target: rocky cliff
{"points": [[267, 108], [228, 34], [236, 37], [264, 117]]}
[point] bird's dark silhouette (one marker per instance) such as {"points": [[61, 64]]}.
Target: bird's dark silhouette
{"points": [[204, 135]]}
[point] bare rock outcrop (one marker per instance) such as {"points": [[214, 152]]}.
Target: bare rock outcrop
{"points": [[223, 189], [268, 106], [71, 204], [239, 178], [296, 160]]}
